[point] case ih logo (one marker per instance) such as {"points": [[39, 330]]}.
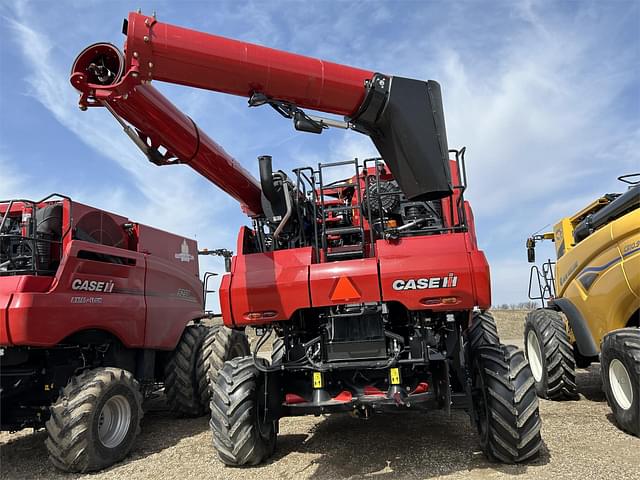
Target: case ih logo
{"points": [[184, 255], [449, 281], [92, 285]]}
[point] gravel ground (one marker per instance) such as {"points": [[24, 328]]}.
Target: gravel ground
{"points": [[580, 441]]}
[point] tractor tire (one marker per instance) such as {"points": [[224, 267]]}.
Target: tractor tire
{"points": [[483, 330], [505, 404], [95, 420], [181, 383], [620, 370], [239, 436], [550, 355], [220, 344], [277, 352]]}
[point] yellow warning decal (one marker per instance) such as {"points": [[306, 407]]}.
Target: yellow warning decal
{"points": [[394, 373], [317, 380]]}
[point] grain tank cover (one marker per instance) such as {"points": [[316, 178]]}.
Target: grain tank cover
{"points": [[405, 120]]}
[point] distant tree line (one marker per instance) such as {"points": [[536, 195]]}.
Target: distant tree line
{"points": [[530, 305]]}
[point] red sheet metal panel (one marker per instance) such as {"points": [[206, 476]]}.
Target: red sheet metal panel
{"points": [[334, 283], [428, 272], [114, 302], [268, 287]]}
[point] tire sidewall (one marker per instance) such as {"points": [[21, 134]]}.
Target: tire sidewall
{"points": [[481, 418], [269, 438], [106, 455], [630, 418], [542, 385]]}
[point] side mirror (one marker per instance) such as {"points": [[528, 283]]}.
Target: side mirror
{"points": [[531, 250]]}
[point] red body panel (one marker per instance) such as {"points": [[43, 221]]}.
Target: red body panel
{"points": [[45, 319], [173, 298], [144, 293], [278, 281], [431, 258], [11, 287], [361, 273], [272, 286]]}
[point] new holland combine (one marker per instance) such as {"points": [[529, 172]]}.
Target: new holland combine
{"points": [[371, 289], [595, 283]]}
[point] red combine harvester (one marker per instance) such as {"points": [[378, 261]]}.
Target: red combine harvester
{"points": [[95, 312], [374, 286]]}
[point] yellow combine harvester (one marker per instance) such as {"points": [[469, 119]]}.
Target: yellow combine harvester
{"points": [[595, 283]]}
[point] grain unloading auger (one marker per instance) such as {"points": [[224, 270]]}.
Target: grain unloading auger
{"points": [[374, 286]]}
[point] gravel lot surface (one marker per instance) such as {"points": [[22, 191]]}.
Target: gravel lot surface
{"points": [[580, 441]]}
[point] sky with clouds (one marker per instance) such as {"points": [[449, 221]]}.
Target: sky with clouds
{"points": [[545, 95]]}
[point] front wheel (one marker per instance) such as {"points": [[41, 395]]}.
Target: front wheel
{"points": [[550, 355], [620, 370], [505, 404], [241, 434], [95, 420]]}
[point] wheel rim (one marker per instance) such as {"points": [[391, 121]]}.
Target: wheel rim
{"points": [[114, 421], [620, 383], [534, 354]]}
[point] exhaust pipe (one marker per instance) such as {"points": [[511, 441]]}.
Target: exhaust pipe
{"points": [[266, 178]]}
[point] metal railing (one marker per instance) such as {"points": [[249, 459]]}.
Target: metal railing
{"points": [[544, 279]]}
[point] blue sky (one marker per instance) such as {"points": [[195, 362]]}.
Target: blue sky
{"points": [[545, 95]]}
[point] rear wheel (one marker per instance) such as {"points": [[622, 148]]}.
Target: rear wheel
{"points": [[550, 355], [241, 434], [95, 421], [220, 344], [505, 404], [483, 330], [181, 383], [620, 370]]}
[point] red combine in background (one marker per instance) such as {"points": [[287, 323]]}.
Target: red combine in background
{"points": [[373, 286], [95, 312]]}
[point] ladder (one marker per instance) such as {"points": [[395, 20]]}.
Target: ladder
{"points": [[352, 236]]}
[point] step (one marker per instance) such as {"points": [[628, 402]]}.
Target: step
{"points": [[346, 251], [341, 208], [342, 230]]}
